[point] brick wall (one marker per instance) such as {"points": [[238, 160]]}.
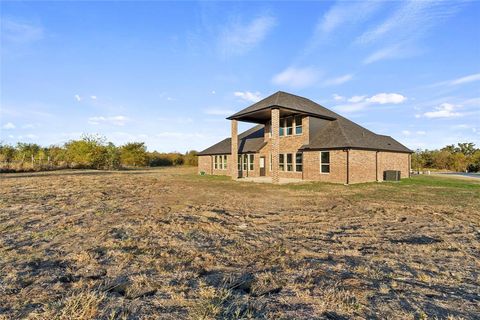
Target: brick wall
{"points": [[338, 166], [393, 161], [205, 164], [362, 166]]}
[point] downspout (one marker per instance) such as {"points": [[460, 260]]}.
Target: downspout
{"points": [[348, 166]]}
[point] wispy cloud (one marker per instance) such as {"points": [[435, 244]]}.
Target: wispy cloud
{"points": [[248, 96], [77, 97], [113, 120], [9, 126], [459, 81], [358, 103], [20, 32], [237, 38], [337, 80], [445, 110], [296, 77], [342, 14], [398, 34], [219, 112]]}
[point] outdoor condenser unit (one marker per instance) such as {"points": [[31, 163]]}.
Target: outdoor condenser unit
{"points": [[391, 175]]}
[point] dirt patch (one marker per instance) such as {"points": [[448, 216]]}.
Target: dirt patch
{"points": [[170, 244]]}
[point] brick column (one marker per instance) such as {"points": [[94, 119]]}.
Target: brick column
{"points": [[275, 143], [234, 152]]}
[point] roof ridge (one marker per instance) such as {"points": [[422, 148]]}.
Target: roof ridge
{"points": [[347, 139]]}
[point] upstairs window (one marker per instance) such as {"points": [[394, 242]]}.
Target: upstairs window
{"points": [[299, 162], [289, 126], [325, 162], [298, 125]]}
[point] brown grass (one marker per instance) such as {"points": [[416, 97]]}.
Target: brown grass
{"points": [[167, 244]]}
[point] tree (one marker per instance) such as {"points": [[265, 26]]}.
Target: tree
{"points": [[133, 154], [467, 148], [190, 158], [7, 153]]}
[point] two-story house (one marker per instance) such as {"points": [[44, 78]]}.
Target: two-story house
{"points": [[298, 138]]}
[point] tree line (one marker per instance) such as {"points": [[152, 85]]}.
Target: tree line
{"points": [[88, 152], [462, 157]]}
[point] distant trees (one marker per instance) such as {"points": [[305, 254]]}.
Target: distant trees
{"points": [[91, 151], [462, 157]]}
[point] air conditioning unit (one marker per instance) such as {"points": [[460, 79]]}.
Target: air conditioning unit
{"points": [[391, 175]]}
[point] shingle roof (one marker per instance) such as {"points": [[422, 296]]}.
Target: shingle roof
{"points": [[338, 133], [251, 140], [343, 133], [288, 101]]}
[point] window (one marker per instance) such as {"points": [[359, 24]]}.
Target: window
{"points": [[239, 163], [245, 162], [250, 162], [289, 162], [281, 161], [281, 128], [299, 162], [298, 125], [288, 126], [325, 162], [220, 162]]}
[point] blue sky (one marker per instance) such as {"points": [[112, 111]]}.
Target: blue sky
{"points": [[169, 73]]}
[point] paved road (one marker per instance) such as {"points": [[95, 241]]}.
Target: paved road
{"points": [[463, 174]]}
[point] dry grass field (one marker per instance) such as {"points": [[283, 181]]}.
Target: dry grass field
{"points": [[168, 244]]}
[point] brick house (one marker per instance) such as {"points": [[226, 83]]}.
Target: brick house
{"points": [[298, 138]]}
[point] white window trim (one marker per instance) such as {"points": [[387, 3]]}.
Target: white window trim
{"points": [[295, 161], [321, 163]]}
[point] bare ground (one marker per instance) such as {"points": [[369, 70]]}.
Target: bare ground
{"points": [[167, 244]]}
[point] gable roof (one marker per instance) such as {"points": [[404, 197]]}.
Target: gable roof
{"points": [[339, 133], [288, 101], [251, 140], [343, 133]]}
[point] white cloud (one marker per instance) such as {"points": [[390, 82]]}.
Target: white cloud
{"points": [[248, 96], [9, 126], [176, 120], [445, 110], [421, 133], [384, 98], [20, 32], [93, 97], [296, 77], [356, 99], [338, 80], [213, 92], [114, 120], [398, 50], [219, 112], [337, 97], [358, 103], [411, 20], [466, 79], [77, 97], [406, 132], [239, 38], [458, 81], [342, 14], [401, 32]]}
